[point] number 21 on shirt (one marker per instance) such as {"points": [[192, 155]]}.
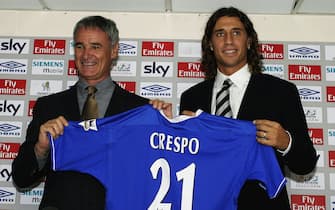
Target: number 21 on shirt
{"points": [[186, 175]]}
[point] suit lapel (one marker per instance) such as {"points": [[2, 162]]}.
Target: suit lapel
{"points": [[258, 99], [72, 107], [115, 103], [206, 99], [247, 106]]}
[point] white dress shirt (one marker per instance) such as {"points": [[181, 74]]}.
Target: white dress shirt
{"points": [[240, 81]]}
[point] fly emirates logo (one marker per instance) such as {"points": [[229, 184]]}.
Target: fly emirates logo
{"points": [[272, 51], [177, 144], [49, 47], [158, 49], [12, 87], [308, 202], [8, 150], [304, 72]]}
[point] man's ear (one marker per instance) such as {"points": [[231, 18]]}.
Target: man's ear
{"points": [[211, 46], [115, 51]]}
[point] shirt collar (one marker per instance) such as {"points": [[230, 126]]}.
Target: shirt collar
{"points": [[104, 84], [239, 78]]}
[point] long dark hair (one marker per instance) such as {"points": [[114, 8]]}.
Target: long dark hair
{"points": [[253, 55]]}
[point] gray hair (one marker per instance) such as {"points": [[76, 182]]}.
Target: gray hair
{"points": [[106, 25]]}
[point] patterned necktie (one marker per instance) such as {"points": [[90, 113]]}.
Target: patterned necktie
{"points": [[90, 110], [222, 100]]}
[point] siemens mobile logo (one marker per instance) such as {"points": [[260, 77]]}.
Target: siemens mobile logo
{"points": [[128, 48], [13, 66], [14, 46], [31, 197], [276, 70], [162, 90], [48, 67], [310, 93], [301, 52]]}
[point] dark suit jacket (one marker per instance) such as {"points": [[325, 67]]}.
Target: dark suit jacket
{"points": [[64, 190], [271, 98]]}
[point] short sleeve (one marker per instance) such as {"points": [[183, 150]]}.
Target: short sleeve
{"points": [[265, 168]]}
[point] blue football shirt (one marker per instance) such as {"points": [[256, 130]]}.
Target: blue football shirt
{"points": [[149, 162]]}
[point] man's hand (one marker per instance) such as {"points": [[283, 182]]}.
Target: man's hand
{"points": [[272, 134], [54, 127], [188, 113], [162, 105]]}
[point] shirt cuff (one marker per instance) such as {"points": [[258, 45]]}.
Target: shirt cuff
{"points": [[284, 152]]}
